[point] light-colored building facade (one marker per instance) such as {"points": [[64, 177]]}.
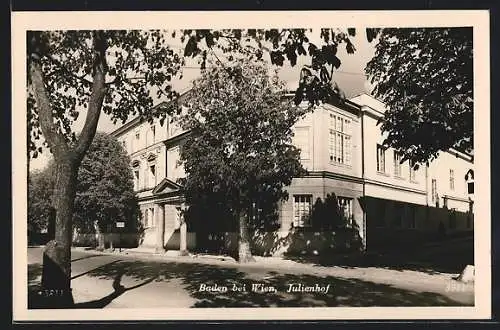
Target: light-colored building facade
{"points": [[341, 148]]}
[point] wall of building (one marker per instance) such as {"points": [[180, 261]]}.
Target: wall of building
{"points": [[439, 170], [388, 177], [392, 224]]}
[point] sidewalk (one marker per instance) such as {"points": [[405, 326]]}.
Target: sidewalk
{"points": [[403, 279]]}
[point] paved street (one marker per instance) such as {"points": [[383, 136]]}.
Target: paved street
{"points": [[135, 281]]}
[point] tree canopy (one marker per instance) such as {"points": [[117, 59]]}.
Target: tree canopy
{"points": [[425, 78], [104, 193], [40, 185]]}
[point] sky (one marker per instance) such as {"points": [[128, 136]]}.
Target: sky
{"points": [[350, 77]]}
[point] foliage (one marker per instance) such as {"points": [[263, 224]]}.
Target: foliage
{"points": [[315, 81], [105, 192], [40, 185], [138, 66], [327, 215], [239, 151], [425, 77]]}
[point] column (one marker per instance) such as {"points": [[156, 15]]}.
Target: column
{"points": [[183, 232], [160, 228]]}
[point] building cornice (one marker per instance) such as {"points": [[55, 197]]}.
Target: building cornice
{"points": [[134, 122]]}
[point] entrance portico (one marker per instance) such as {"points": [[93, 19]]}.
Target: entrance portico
{"points": [[171, 229]]}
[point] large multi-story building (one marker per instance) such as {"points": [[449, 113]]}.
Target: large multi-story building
{"points": [[341, 147]]}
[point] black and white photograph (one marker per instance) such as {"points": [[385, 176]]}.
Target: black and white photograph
{"points": [[234, 165]]}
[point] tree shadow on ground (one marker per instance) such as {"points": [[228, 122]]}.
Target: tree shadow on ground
{"points": [[445, 257], [86, 257], [118, 290], [342, 292], [36, 299]]}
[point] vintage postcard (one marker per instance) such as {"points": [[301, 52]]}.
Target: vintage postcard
{"points": [[294, 165]]}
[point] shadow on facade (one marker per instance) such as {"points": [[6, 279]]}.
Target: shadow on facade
{"points": [[328, 231], [342, 292]]}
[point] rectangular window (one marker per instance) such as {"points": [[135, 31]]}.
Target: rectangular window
{"points": [[135, 143], [302, 205], [345, 205], [433, 191], [153, 133], [470, 187], [380, 158], [452, 179], [152, 173], [301, 141], [136, 178], [397, 164], [412, 170], [152, 213], [339, 147]]}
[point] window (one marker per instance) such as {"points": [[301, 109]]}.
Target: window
{"points": [[135, 167], [301, 141], [152, 217], [380, 158], [470, 187], [124, 145], [345, 205], [153, 133], [135, 143], [397, 164], [152, 174], [412, 171], [434, 197], [136, 179], [339, 147], [452, 179], [302, 205]]}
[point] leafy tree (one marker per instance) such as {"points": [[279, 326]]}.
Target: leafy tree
{"points": [[119, 73], [105, 190], [425, 77], [240, 150], [39, 201], [316, 79]]}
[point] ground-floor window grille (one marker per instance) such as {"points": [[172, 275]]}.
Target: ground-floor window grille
{"points": [[302, 205]]}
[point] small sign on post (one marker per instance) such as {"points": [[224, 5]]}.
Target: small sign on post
{"points": [[120, 224]]}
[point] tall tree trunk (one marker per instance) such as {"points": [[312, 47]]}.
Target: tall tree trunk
{"points": [[244, 252], [56, 276], [100, 238]]}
